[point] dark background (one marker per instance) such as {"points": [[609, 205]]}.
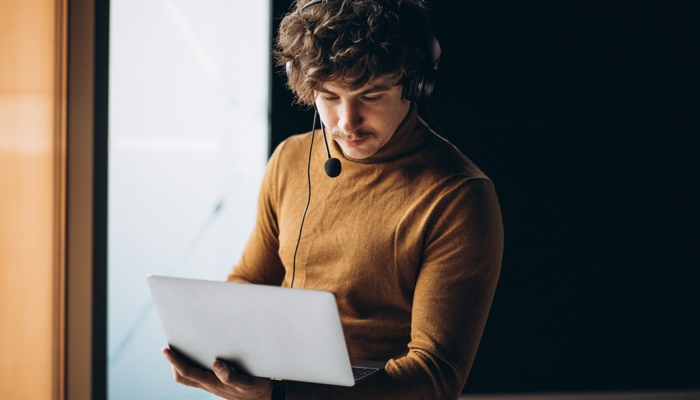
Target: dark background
{"points": [[582, 114]]}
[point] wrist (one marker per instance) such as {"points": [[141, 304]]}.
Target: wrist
{"points": [[279, 389]]}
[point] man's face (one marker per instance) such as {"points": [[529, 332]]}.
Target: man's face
{"points": [[362, 121]]}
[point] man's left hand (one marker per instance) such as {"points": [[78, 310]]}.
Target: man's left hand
{"points": [[223, 382]]}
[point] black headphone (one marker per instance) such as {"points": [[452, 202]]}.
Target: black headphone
{"points": [[419, 85]]}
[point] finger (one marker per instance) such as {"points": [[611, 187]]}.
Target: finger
{"points": [[187, 371], [184, 381], [225, 373], [230, 377]]}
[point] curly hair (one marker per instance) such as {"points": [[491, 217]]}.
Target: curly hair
{"points": [[351, 43]]}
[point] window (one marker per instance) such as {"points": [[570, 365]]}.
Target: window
{"points": [[188, 140]]}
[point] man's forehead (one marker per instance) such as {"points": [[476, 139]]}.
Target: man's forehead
{"points": [[380, 84]]}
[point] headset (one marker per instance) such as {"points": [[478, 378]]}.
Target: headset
{"points": [[418, 87]]}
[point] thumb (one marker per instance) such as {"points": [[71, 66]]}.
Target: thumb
{"points": [[222, 371]]}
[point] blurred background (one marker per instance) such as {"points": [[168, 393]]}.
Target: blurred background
{"points": [[583, 115], [579, 113], [134, 135], [188, 144]]}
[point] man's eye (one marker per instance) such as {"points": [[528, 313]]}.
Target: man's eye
{"points": [[330, 98], [371, 99]]}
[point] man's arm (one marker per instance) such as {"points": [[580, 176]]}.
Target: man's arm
{"points": [[260, 262], [452, 298]]}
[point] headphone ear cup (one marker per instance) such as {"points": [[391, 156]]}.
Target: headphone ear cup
{"points": [[428, 85], [420, 84], [410, 87]]}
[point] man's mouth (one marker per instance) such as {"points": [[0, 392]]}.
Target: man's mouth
{"points": [[355, 143], [358, 138]]}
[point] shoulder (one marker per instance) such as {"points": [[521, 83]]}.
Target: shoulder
{"points": [[445, 158], [445, 168], [292, 146], [453, 185], [287, 165], [291, 154]]}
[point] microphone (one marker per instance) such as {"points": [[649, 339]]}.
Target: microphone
{"points": [[332, 165]]}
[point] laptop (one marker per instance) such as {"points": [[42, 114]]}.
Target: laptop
{"points": [[264, 331]]}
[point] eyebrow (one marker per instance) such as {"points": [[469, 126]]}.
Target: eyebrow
{"points": [[373, 89]]}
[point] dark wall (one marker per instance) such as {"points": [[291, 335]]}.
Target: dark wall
{"points": [[581, 113]]}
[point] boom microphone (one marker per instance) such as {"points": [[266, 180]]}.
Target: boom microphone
{"points": [[332, 165]]}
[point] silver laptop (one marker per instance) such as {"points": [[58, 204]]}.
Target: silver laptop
{"points": [[263, 331]]}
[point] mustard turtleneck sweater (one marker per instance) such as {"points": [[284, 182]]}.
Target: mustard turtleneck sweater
{"points": [[409, 240]]}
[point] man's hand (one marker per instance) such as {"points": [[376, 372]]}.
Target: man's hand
{"points": [[223, 382]]}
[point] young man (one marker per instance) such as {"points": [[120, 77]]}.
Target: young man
{"points": [[409, 236]]}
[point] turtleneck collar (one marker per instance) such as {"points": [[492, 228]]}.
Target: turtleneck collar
{"points": [[410, 135]]}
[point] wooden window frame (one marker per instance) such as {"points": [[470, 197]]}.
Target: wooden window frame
{"points": [[86, 199]]}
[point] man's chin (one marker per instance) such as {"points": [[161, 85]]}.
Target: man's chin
{"points": [[357, 152]]}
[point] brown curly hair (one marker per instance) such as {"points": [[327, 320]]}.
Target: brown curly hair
{"points": [[350, 42]]}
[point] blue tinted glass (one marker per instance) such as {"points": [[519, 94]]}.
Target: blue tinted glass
{"points": [[188, 131]]}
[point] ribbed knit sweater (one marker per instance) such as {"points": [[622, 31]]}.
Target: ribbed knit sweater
{"points": [[409, 240]]}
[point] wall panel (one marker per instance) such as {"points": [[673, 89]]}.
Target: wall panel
{"points": [[31, 198]]}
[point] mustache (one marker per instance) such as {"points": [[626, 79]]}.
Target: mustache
{"points": [[340, 135]]}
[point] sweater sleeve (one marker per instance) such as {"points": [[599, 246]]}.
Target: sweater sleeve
{"points": [[260, 262], [454, 289]]}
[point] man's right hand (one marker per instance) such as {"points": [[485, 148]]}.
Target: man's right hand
{"points": [[223, 382]]}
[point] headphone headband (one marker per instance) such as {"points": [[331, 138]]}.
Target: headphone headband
{"points": [[312, 2]]}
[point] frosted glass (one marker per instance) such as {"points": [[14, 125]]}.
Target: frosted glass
{"points": [[188, 137]]}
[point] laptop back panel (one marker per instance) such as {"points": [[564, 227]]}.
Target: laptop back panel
{"points": [[263, 331]]}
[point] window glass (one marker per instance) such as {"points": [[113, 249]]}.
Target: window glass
{"points": [[188, 137]]}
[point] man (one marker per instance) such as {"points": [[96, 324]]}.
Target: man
{"points": [[409, 236]]}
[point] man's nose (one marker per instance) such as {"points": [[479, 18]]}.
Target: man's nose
{"points": [[350, 117]]}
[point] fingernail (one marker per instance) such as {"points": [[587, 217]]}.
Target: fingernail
{"points": [[218, 365]]}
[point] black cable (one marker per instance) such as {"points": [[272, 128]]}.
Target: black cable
{"points": [[435, 122], [308, 175], [323, 129]]}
